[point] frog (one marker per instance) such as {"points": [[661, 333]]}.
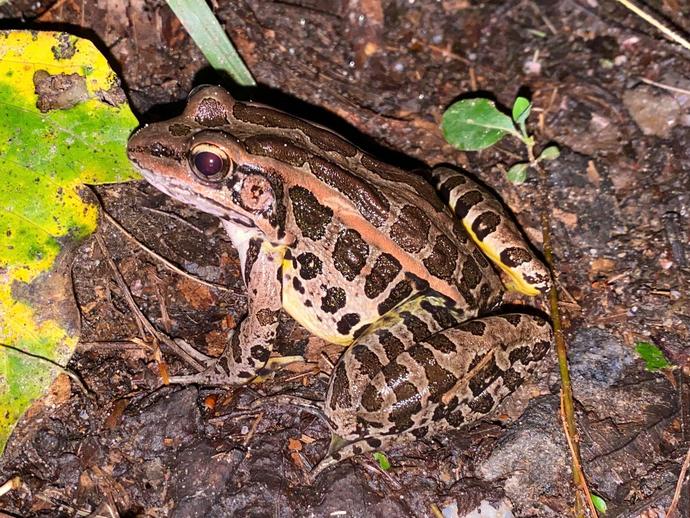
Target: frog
{"points": [[404, 270]]}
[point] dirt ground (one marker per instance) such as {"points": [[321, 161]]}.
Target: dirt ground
{"points": [[607, 88]]}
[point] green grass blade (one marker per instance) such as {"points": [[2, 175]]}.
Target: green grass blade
{"points": [[207, 33]]}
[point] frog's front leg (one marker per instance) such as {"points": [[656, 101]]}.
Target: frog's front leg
{"points": [[250, 346], [406, 379]]}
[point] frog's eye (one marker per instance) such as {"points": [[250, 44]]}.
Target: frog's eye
{"points": [[209, 162]]}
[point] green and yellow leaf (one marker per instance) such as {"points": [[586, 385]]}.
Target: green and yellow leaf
{"points": [[65, 122]]}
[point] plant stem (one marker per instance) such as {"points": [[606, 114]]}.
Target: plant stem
{"points": [[523, 129], [567, 405], [529, 144]]}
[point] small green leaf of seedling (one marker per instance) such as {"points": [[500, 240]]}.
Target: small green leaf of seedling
{"points": [[549, 153], [383, 461], [474, 124], [652, 356], [599, 503], [521, 110], [517, 173]]}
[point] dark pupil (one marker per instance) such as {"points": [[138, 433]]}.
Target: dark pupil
{"points": [[208, 163]]}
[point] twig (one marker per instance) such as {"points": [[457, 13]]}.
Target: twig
{"points": [[375, 469], [567, 405], [328, 361], [73, 376], [310, 372], [446, 53], [142, 321], [176, 217], [679, 486], [665, 87], [13, 483], [252, 429], [576, 462], [163, 260], [541, 14], [656, 23], [110, 345]]}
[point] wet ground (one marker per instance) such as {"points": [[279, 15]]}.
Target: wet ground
{"points": [[606, 88]]}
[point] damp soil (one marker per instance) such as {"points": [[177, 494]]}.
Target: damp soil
{"points": [[607, 89]]}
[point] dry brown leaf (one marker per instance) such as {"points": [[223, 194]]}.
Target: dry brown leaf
{"points": [[199, 296], [569, 219], [601, 265]]}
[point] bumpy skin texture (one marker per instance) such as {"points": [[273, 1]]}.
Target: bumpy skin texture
{"points": [[362, 254]]}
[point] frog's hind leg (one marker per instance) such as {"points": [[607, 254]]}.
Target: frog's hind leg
{"points": [[405, 380], [493, 229], [341, 450]]}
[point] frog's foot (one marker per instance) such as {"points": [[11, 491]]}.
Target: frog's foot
{"points": [[311, 406], [216, 372], [187, 349], [341, 450]]}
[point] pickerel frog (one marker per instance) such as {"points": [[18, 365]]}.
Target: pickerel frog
{"points": [[361, 254]]}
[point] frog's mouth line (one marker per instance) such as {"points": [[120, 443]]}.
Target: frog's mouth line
{"points": [[180, 192]]}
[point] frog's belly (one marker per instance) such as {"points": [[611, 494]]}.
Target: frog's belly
{"points": [[312, 304]]}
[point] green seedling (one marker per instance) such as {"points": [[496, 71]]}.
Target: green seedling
{"points": [[599, 503], [475, 124], [382, 460], [652, 356]]}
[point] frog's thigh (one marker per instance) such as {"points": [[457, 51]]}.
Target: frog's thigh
{"points": [[493, 229], [383, 391]]}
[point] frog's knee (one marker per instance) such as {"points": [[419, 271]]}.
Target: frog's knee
{"points": [[492, 228]]}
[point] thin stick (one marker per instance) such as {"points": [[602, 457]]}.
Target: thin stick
{"points": [[111, 345], [436, 511], [42, 359], [567, 405], [13, 483], [142, 322], [656, 23], [140, 317], [665, 87], [163, 260], [576, 462], [679, 486], [177, 218]]}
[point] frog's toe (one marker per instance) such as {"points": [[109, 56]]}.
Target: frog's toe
{"points": [[341, 450], [308, 405], [192, 352], [213, 375]]}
